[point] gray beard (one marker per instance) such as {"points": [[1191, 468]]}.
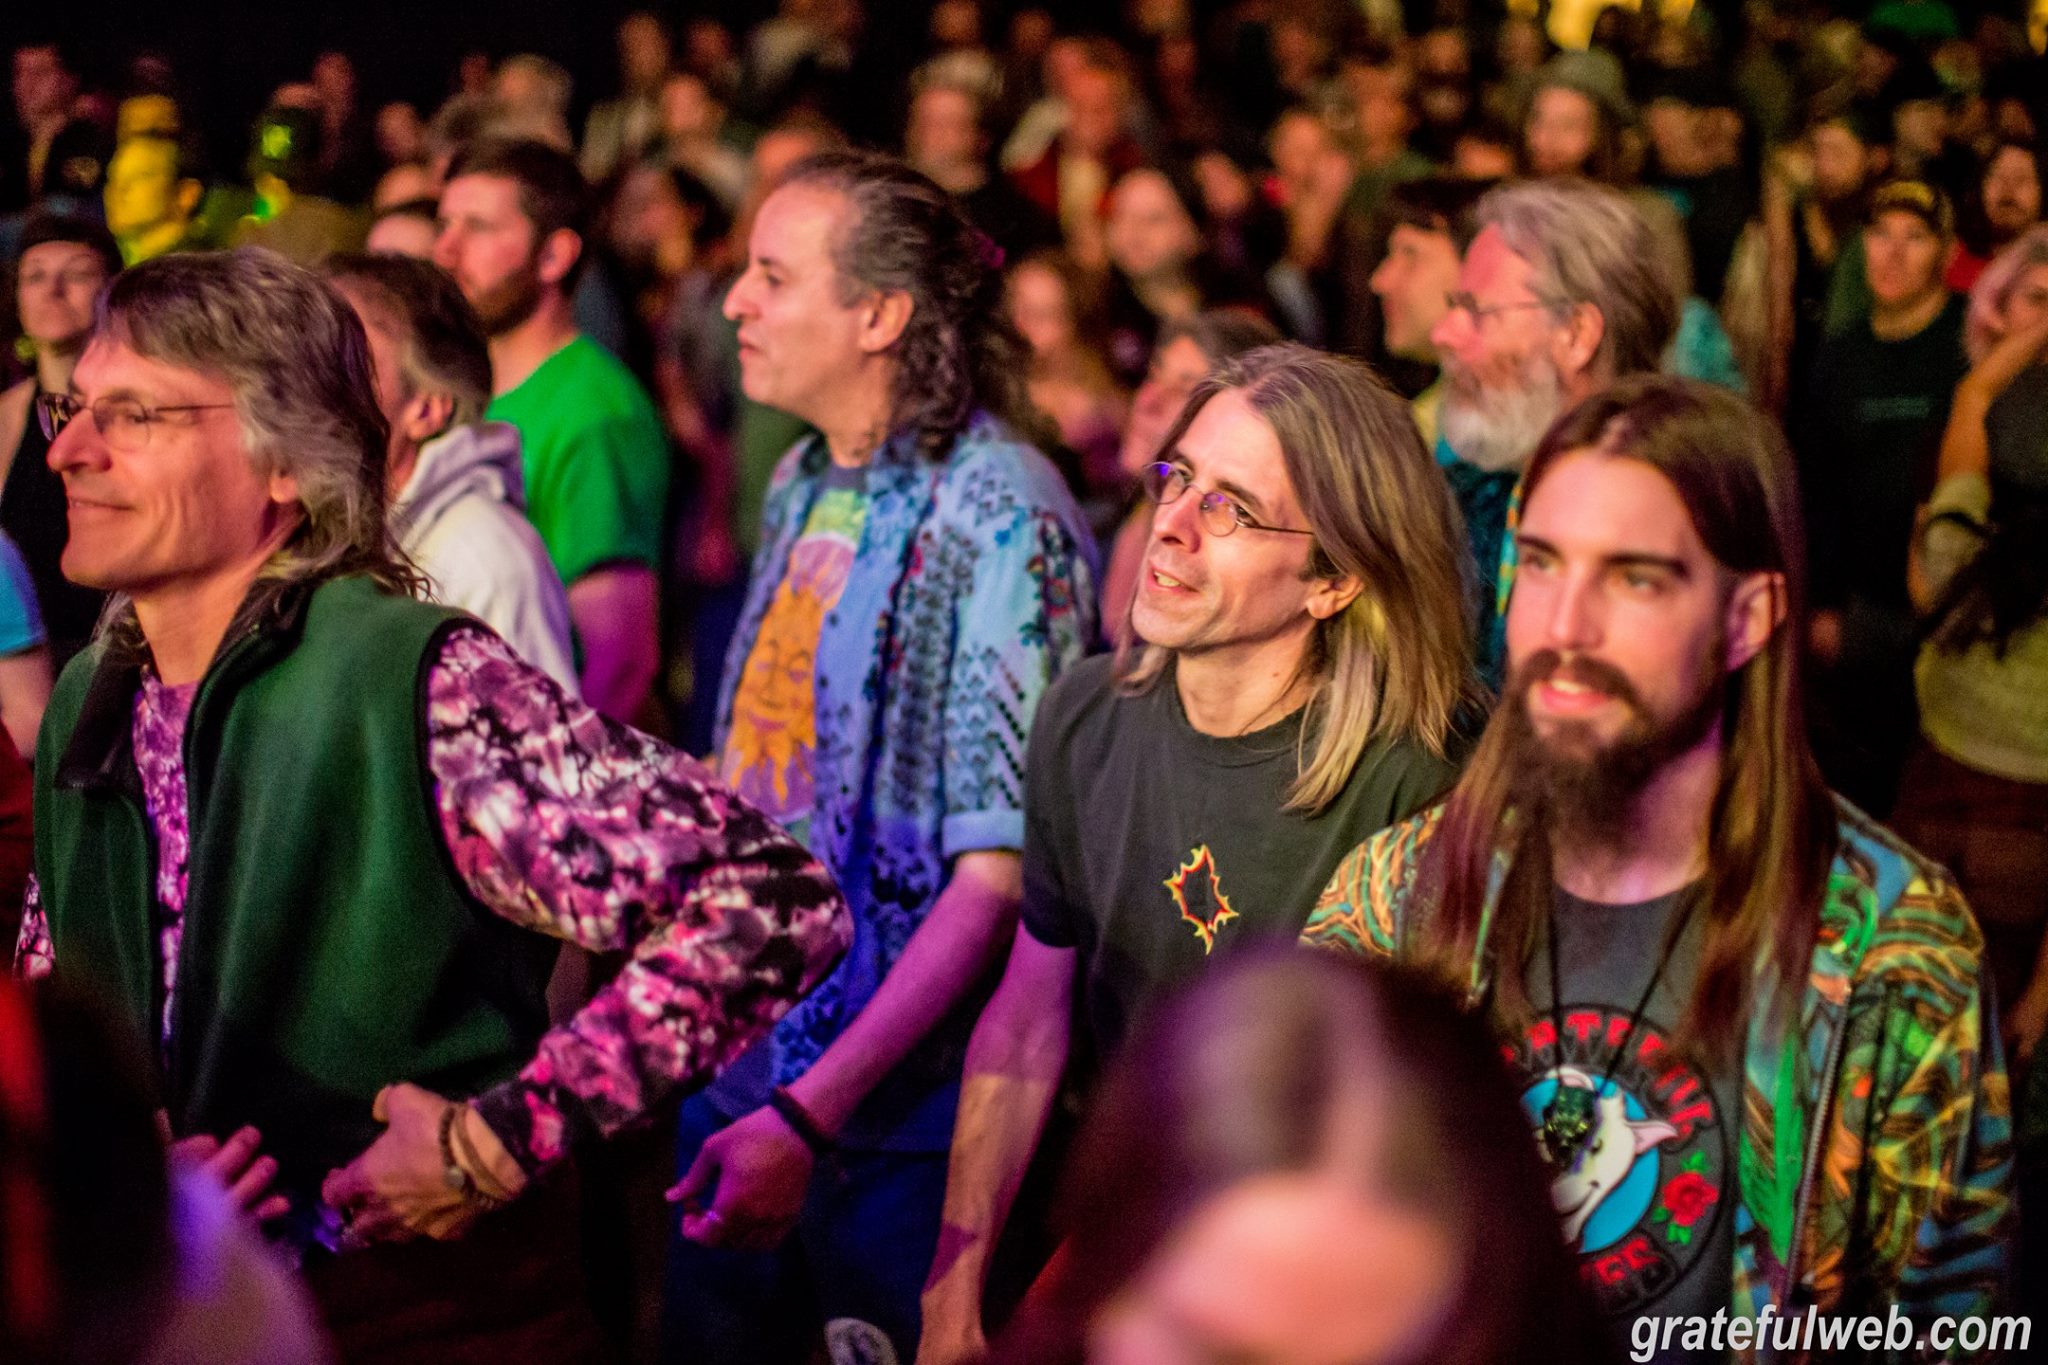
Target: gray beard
{"points": [[1498, 429]]}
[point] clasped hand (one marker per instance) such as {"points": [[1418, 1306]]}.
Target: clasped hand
{"points": [[398, 1190]]}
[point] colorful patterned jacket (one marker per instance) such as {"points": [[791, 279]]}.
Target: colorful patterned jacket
{"points": [[1876, 1146]]}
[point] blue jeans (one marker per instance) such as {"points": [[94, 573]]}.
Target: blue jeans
{"points": [[861, 1248]]}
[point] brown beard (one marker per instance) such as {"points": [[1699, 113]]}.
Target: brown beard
{"points": [[1584, 791], [504, 305]]}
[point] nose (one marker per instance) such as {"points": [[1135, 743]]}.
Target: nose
{"points": [[78, 446], [444, 247], [1452, 331], [1179, 522], [736, 300], [1574, 623]]}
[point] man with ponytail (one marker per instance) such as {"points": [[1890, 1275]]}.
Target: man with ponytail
{"points": [[924, 575], [1753, 1029], [1298, 658]]}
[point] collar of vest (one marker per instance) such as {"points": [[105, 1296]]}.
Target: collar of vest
{"points": [[101, 754]]}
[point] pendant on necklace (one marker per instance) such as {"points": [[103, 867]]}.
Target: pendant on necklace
{"points": [[1567, 1123]]}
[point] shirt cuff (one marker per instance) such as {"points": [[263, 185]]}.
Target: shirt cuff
{"points": [[978, 831]]}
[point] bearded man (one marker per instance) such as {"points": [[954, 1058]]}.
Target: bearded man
{"points": [[1558, 294]]}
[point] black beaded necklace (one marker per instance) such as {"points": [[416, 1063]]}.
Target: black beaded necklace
{"points": [[1571, 1115]]}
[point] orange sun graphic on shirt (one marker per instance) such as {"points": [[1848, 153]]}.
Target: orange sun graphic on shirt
{"points": [[1201, 899]]}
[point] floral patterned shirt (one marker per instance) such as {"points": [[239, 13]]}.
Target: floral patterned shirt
{"points": [[568, 823]]}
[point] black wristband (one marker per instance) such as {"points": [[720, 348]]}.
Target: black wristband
{"points": [[799, 1120]]}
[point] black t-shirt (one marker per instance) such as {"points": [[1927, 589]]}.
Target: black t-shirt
{"points": [[1149, 847], [1869, 433], [1650, 1205]]}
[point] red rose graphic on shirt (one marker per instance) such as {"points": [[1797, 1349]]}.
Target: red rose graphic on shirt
{"points": [[1687, 1198]]}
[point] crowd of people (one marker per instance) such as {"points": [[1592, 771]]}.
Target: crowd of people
{"points": [[1291, 684]]}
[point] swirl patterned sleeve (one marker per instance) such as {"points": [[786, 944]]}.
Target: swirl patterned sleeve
{"points": [[565, 822]]}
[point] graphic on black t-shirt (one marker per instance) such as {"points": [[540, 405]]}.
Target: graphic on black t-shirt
{"points": [[1197, 890], [1640, 1201]]}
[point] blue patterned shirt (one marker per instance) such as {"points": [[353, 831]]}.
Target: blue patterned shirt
{"points": [[973, 587]]}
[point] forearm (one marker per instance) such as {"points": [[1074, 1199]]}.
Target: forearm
{"points": [[756, 937], [1013, 1070], [973, 919], [614, 612]]}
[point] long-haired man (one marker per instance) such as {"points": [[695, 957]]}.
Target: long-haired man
{"points": [[1752, 1027], [923, 577], [1298, 657]]}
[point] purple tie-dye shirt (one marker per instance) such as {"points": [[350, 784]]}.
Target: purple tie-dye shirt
{"points": [[710, 898]]}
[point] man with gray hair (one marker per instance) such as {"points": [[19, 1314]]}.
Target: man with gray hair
{"points": [[313, 836], [1559, 293], [457, 494]]}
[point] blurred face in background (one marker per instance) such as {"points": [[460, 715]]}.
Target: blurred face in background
{"points": [[2027, 305], [1176, 368], [1841, 162], [1904, 259], [56, 285], [944, 129], [2012, 192], [1095, 110], [1150, 232], [643, 52], [1040, 309], [1420, 268], [1562, 131]]}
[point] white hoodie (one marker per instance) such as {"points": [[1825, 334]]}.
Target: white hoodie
{"points": [[461, 518]]}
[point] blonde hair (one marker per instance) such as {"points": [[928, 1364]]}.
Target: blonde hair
{"points": [[1396, 662]]}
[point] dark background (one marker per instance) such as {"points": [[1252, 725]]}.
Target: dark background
{"points": [[230, 54]]}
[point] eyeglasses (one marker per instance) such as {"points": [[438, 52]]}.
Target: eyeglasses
{"points": [[1221, 514], [1459, 300], [124, 423]]}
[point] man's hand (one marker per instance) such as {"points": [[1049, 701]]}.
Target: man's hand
{"points": [[756, 1172], [244, 1174], [397, 1189]]}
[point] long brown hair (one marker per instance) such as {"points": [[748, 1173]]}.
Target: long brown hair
{"points": [[1771, 831], [1397, 660]]}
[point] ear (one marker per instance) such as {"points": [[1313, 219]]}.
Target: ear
{"points": [[1948, 255], [1578, 341], [1329, 596], [189, 194], [284, 489], [425, 416], [1755, 611], [558, 255], [883, 317]]}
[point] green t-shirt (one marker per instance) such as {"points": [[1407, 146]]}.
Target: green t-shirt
{"points": [[596, 460]]}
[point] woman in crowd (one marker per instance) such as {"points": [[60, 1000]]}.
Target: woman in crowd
{"points": [[1975, 793], [1054, 306], [1307, 1161], [1161, 267], [62, 265]]}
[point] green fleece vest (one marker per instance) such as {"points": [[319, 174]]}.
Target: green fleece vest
{"points": [[329, 946]]}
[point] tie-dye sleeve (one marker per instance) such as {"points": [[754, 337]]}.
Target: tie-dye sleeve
{"points": [[571, 824]]}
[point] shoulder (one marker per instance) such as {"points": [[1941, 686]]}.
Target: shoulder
{"points": [[1899, 917], [1400, 774], [605, 391], [1361, 908], [1083, 698], [993, 474]]}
